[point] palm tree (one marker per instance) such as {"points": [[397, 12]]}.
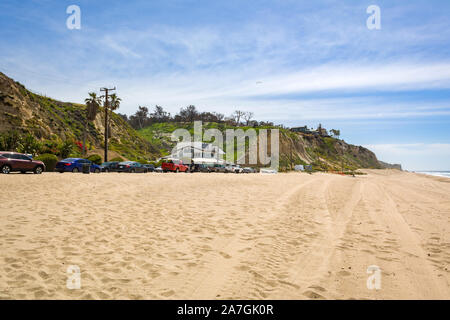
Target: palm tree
{"points": [[93, 101], [114, 104], [92, 104]]}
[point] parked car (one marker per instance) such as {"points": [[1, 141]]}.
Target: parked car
{"points": [[248, 170], [76, 165], [201, 167], [218, 168], [13, 161], [110, 166], [158, 169], [131, 167], [174, 165], [229, 168], [236, 168], [267, 171], [150, 167]]}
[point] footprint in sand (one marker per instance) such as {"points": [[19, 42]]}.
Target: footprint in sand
{"points": [[343, 273], [242, 268], [168, 293], [225, 255], [43, 275], [102, 295], [290, 284], [11, 260], [191, 264], [312, 295], [39, 294], [435, 250], [25, 276], [317, 288]]}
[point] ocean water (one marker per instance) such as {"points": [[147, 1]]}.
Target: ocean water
{"points": [[436, 173]]}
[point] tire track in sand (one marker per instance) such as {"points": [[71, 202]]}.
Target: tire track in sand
{"points": [[228, 274], [294, 254], [421, 273]]}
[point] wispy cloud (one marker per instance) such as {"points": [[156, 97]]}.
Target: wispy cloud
{"points": [[263, 92], [124, 50]]}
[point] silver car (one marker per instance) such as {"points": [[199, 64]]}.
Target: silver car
{"points": [[236, 168]]}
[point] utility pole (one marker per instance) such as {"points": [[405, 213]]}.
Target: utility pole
{"points": [[106, 120], [84, 136]]}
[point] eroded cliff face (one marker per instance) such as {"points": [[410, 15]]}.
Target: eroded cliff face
{"points": [[386, 165], [46, 118], [325, 153]]}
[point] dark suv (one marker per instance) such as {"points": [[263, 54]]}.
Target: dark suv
{"points": [[150, 167], [201, 167], [131, 167], [110, 166], [13, 161]]}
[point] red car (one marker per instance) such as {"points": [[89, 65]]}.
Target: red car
{"points": [[13, 161], [174, 165]]}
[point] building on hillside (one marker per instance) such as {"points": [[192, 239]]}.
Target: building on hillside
{"points": [[186, 151], [303, 129], [322, 131]]}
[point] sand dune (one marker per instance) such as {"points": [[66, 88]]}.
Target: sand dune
{"points": [[219, 236]]}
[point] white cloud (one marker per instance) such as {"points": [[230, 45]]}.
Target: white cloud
{"points": [[124, 50], [264, 92]]}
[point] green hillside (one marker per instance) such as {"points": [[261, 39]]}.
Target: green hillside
{"points": [[54, 124], [324, 153]]}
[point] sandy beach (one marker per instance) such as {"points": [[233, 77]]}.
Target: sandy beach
{"points": [[225, 236]]}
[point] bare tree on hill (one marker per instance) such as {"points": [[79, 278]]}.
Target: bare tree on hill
{"points": [[188, 114], [247, 117], [159, 115], [140, 116], [238, 114]]}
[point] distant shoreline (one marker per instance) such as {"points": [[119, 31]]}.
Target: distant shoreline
{"points": [[445, 174]]}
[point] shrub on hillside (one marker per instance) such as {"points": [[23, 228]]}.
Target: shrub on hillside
{"points": [[49, 160], [95, 158], [29, 145], [49, 146], [9, 141], [118, 159], [65, 148]]}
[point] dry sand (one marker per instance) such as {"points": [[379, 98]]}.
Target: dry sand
{"points": [[224, 236]]}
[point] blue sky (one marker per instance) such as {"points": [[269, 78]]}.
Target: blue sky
{"points": [[291, 62]]}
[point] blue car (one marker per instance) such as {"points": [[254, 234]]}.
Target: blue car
{"points": [[75, 165]]}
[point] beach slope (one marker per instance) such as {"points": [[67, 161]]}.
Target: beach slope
{"points": [[225, 236]]}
